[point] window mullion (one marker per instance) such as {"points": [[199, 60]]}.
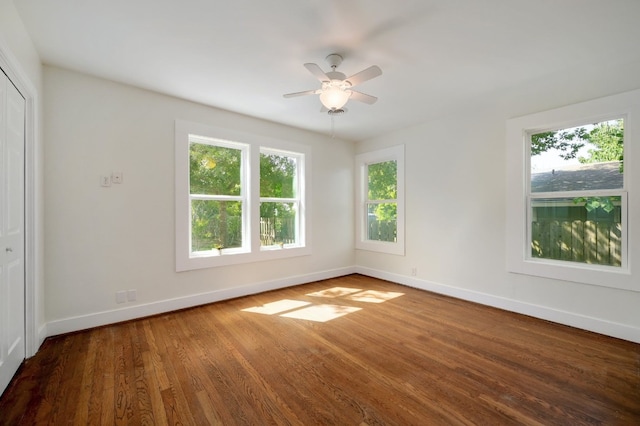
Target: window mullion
{"points": [[253, 198]]}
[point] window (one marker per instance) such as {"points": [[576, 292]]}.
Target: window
{"points": [[380, 193], [576, 194], [217, 195], [568, 174], [239, 197], [280, 200]]}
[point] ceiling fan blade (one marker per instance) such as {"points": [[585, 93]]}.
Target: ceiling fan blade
{"points": [[362, 97], [364, 75], [317, 71], [307, 92]]}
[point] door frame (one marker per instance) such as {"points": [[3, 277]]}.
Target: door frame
{"points": [[34, 335]]}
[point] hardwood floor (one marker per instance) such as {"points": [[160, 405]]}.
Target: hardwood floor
{"points": [[412, 358]]}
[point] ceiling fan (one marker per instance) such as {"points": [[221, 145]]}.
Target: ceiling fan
{"points": [[336, 87]]}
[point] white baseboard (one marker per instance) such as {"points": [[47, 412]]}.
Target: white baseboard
{"points": [[42, 334], [596, 325], [608, 328], [83, 322]]}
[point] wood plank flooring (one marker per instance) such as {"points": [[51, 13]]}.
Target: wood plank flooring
{"points": [[404, 357]]}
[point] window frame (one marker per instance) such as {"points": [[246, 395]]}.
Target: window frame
{"points": [[532, 196], [362, 161], [242, 198], [251, 250], [519, 195], [297, 199]]}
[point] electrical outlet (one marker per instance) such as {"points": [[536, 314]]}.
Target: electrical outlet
{"points": [[131, 295], [121, 296], [414, 271], [105, 180]]}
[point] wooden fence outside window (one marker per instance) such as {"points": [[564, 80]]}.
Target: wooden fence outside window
{"points": [[587, 241]]}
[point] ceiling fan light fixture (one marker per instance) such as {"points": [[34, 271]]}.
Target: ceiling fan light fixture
{"points": [[334, 95], [336, 88]]}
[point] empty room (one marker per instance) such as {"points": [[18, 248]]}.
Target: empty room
{"points": [[320, 212]]}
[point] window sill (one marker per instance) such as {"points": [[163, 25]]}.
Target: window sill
{"points": [[227, 259], [597, 275], [381, 247]]}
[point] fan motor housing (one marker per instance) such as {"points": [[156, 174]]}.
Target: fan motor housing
{"points": [[336, 75], [334, 60]]}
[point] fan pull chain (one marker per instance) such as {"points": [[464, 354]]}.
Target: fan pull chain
{"points": [[333, 134]]}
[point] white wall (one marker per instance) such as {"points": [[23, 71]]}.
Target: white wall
{"points": [[14, 35], [456, 201], [21, 61], [99, 241], [102, 240]]}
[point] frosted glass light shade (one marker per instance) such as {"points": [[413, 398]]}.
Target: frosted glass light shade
{"points": [[334, 97]]}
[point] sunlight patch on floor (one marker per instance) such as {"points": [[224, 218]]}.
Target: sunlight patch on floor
{"points": [[335, 292], [321, 313], [374, 296], [277, 307]]}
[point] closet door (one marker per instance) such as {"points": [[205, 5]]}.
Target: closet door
{"points": [[12, 266]]}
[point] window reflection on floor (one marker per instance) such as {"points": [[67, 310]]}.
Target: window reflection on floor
{"points": [[374, 296], [277, 307], [324, 312], [321, 313], [335, 292]]}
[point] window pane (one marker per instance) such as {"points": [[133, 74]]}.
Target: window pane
{"points": [[277, 176], [582, 158], [583, 229], [382, 222], [382, 181], [278, 223], [214, 170], [215, 224]]}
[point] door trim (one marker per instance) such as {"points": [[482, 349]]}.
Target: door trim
{"points": [[33, 219]]}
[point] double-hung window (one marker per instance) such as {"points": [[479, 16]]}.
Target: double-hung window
{"points": [[380, 200], [576, 195], [568, 202], [280, 198], [239, 197], [217, 196]]}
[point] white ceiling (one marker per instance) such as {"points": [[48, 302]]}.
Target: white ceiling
{"points": [[243, 55]]}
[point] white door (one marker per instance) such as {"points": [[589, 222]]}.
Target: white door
{"points": [[12, 267]]}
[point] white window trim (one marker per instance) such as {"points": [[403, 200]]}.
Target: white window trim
{"points": [[395, 153], [519, 260], [251, 251]]}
